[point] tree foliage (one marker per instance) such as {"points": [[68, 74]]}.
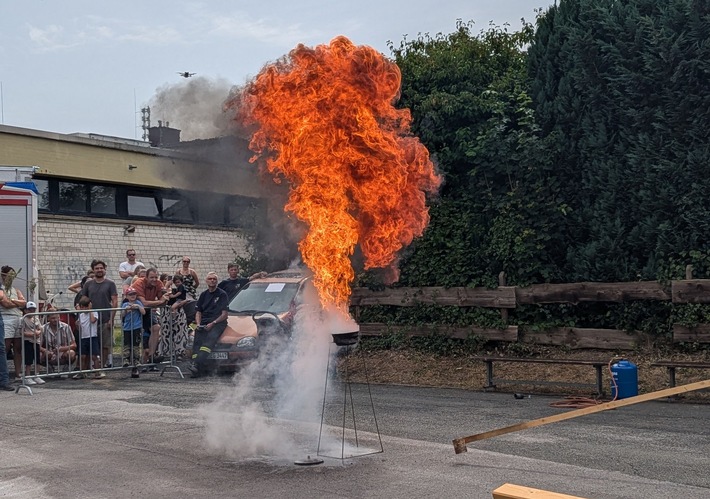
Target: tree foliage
{"points": [[498, 208], [574, 150], [623, 89]]}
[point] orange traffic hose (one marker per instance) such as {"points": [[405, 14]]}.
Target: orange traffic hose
{"points": [[574, 402]]}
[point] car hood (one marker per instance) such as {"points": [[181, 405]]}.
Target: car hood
{"points": [[238, 327]]}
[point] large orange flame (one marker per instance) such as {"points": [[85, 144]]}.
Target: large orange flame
{"points": [[325, 120]]}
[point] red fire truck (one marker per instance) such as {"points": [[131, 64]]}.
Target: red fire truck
{"points": [[18, 224]]}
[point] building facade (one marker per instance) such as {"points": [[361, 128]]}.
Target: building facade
{"points": [[99, 196]]}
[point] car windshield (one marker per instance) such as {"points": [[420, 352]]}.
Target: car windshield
{"points": [[274, 297]]}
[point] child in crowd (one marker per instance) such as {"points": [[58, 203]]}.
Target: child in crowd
{"points": [[132, 315], [89, 348], [138, 273], [178, 294], [32, 334]]}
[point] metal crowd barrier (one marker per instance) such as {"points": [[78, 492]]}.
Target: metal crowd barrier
{"points": [[62, 364]]}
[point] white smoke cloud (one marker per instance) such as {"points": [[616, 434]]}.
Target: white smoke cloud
{"points": [[194, 106], [274, 407]]}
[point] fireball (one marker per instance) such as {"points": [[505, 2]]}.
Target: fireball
{"points": [[324, 120]]}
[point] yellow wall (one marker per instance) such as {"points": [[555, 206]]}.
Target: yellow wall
{"points": [[72, 157]]}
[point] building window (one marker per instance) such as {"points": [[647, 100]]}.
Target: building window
{"points": [[43, 189], [103, 199], [177, 208], [72, 197], [170, 205], [245, 213], [143, 205], [211, 209]]}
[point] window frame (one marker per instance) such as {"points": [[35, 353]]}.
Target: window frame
{"points": [[122, 192]]}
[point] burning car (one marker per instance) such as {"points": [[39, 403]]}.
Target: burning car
{"points": [[260, 318]]}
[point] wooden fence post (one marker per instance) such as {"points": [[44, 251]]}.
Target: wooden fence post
{"points": [[688, 272], [503, 311]]}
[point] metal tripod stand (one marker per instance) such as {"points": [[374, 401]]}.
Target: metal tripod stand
{"points": [[345, 344]]}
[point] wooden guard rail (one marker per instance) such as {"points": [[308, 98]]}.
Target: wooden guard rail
{"points": [[507, 298]]}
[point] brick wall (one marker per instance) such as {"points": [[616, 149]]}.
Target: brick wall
{"points": [[66, 246]]}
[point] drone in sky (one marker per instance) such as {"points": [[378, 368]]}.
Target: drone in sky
{"points": [[186, 74]]}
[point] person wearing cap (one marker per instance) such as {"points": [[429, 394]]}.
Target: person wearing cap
{"points": [[132, 325], [32, 335]]}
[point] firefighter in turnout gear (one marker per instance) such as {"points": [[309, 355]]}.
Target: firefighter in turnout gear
{"points": [[211, 319]]}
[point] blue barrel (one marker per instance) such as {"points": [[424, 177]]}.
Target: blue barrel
{"points": [[626, 375]]}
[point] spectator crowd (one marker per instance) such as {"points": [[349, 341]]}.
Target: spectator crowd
{"points": [[162, 316]]}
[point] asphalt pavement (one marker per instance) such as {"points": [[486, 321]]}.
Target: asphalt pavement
{"points": [[164, 436]]}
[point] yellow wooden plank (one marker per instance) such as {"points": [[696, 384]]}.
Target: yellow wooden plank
{"points": [[460, 443], [511, 491]]}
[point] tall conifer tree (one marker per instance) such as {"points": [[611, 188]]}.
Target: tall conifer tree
{"points": [[623, 89]]}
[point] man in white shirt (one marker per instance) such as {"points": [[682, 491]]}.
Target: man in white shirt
{"points": [[127, 269]]}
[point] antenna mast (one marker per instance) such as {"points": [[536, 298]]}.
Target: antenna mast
{"points": [[145, 119]]}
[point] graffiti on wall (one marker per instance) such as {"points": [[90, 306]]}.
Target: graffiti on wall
{"points": [[166, 261], [75, 269], [62, 263], [65, 273]]}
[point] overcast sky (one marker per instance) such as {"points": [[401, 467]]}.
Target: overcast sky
{"points": [[86, 66]]}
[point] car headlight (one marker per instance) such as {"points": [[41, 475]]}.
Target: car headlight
{"points": [[248, 342]]}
